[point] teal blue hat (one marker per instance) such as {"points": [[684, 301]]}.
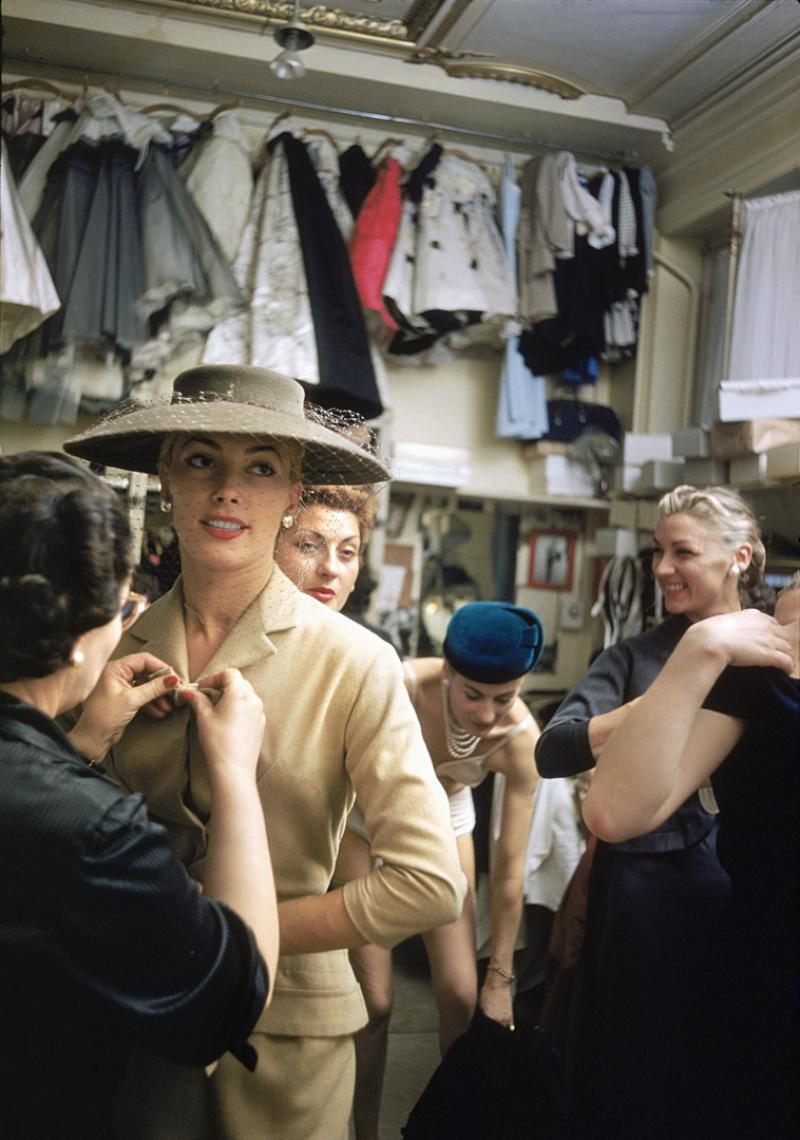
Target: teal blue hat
{"points": [[493, 642]]}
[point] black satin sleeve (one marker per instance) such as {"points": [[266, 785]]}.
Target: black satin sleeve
{"points": [[182, 968]]}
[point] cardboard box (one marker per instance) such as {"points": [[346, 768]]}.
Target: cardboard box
{"points": [[647, 515], [544, 447], [429, 463], [705, 472], [559, 475], [627, 478], [639, 447], [612, 542], [757, 399], [691, 443], [751, 469], [749, 437], [622, 512], [662, 474], [784, 462]]}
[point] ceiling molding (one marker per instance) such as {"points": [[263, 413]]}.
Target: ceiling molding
{"points": [[735, 16], [469, 65], [322, 18]]}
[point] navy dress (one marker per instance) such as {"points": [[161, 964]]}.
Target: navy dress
{"points": [[654, 905], [104, 941], [756, 1065]]}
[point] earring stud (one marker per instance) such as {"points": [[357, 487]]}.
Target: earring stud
{"points": [[77, 658], [287, 522]]}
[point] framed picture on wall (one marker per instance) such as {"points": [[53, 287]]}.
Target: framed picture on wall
{"points": [[551, 562]]}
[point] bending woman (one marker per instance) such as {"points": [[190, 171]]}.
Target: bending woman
{"points": [[231, 449], [653, 901], [741, 727], [475, 722], [104, 939], [322, 554]]}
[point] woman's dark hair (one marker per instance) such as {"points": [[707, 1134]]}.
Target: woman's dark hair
{"points": [[64, 554]]}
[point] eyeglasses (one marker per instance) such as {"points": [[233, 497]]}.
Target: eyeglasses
{"points": [[132, 608]]}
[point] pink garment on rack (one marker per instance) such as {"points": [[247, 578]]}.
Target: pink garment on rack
{"points": [[373, 239]]}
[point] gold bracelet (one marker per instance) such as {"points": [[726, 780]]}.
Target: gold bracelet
{"points": [[509, 977]]}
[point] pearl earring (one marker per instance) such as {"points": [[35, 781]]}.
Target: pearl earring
{"points": [[166, 505], [735, 570], [287, 521], [77, 658]]}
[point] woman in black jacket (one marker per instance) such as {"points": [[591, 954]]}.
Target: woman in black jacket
{"points": [[104, 939], [654, 901]]}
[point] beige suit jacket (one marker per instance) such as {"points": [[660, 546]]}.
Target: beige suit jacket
{"points": [[339, 724]]}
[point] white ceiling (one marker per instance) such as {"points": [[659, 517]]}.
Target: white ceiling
{"points": [[647, 66]]}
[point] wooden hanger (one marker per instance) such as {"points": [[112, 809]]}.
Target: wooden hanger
{"points": [[323, 133], [154, 108], [456, 153], [38, 85], [112, 91], [385, 146]]}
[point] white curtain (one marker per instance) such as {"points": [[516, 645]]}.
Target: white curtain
{"points": [[765, 341]]}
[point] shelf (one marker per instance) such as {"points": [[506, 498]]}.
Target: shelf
{"points": [[494, 496]]}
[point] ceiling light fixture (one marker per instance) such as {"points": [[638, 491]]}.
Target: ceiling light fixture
{"points": [[293, 38]]}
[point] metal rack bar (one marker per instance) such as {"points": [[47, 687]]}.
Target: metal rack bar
{"points": [[377, 117]]}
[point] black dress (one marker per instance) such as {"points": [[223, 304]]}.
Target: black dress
{"points": [[104, 940], [653, 907], [756, 1065]]}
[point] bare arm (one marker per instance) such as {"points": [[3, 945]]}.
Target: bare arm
{"points": [[317, 923], [508, 872], [238, 867], [668, 745]]}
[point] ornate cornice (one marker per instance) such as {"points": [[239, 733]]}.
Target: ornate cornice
{"points": [[323, 18], [471, 65]]}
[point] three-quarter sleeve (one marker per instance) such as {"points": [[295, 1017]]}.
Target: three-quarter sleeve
{"points": [[419, 883], [183, 969], [563, 748]]}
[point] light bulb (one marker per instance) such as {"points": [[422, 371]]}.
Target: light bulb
{"points": [[288, 65]]}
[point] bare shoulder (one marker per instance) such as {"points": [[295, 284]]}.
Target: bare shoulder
{"points": [[515, 759]]}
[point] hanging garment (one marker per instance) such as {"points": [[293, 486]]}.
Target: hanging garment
{"points": [[449, 269], [522, 400], [765, 341], [26, 123], [649, 196], [220, 179], [27, 293], [33, 180], [577, 330], [276, 329], [461, 261], [373, 240], [555, 207], [87, 227], [188, 284], [346, 374], [325, 161], [357, 175]]}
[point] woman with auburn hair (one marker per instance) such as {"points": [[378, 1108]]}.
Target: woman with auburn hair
{"points": [[322, 553]]}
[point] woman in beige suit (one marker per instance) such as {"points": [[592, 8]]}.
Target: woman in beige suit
{"points": [[231, 449]]}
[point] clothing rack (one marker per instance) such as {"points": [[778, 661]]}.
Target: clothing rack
{"points": [[377, 117]]}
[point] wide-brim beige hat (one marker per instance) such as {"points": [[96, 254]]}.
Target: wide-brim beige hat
{"points": [[229, 400]]}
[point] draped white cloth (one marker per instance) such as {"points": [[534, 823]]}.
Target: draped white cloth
{"points": [[27, 292], [765, 341]]}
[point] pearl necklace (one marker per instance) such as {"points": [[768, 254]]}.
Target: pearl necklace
{"points": [[460, 743]]}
